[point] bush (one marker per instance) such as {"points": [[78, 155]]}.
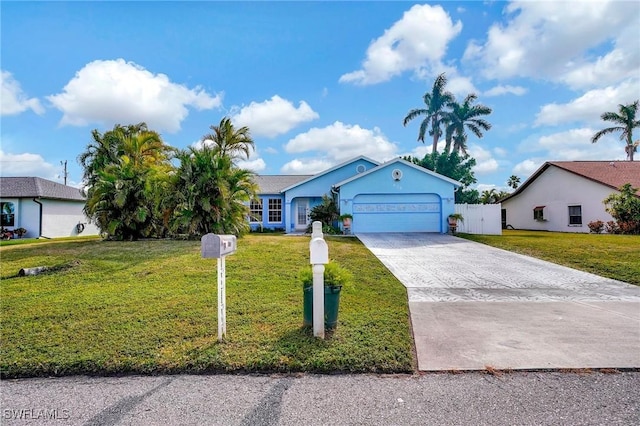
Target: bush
{"points": [[612, 227], [334, 276], [596, 226], [625, 209]]}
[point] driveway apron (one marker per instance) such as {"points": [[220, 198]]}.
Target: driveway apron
{"points": [[475, 307]]}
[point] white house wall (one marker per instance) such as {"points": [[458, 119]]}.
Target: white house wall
{"points": [[557, 189], [60, 218]]}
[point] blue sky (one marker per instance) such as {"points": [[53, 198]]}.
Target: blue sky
{"points": [[317, 83]]}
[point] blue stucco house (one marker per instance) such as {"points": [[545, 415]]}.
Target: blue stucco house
{"points": [[396, 196]]}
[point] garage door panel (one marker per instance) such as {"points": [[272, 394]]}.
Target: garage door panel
{"points": [[396, 213]]}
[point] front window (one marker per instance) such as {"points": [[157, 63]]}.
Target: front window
{"points": [[538, 213], [255, 211], [575, 215], [275, 210], [8, 216]]}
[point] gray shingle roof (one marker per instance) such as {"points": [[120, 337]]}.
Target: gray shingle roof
{"points": [[32, 187], [273, 184]]}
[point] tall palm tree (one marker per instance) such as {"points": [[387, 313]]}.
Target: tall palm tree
{"points": [[436, 101], [230, 141], [461, 117], [627, 121], [514, 181]]}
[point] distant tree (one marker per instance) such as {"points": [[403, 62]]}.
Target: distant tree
{"points": [[625, 209], [454, 166], [627, 121], [435, 101], [229, 141], [325, 212], [514, 181], [461, 117], [491, 196]]}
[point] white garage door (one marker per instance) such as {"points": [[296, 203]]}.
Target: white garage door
{"points": [[396, 213]]}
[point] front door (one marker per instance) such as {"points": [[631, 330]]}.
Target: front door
{"points": [[302, 214]]}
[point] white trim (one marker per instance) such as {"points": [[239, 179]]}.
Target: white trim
{"points": [[362, 157]]}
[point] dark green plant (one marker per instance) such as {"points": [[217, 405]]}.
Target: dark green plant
{"points": [[325, 212], [625, 209], [627, 121], [334, 276]]}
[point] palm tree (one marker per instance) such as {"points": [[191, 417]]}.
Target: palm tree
{"points": [[229, 141], [626, 118], [461, 116], [436, 101], [514, 181]]}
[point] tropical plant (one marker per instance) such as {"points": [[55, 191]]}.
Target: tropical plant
{"points": [[625, 209], [435, 101], [210, 193], [123, 169], [461, 117], [514, 181], [229, 141], [454, 166], [325, 212], [456, 217], [627, 121], [334, 276]]}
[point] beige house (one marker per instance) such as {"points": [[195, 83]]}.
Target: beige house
{"points": [[565, 196]]}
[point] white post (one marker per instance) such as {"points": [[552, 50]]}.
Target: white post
{"points": [[222, 308], [318, 301], [319, 256]]}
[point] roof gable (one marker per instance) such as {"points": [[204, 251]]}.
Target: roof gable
{"points": [[398, 161], [35, 187], [613, 174], [326, 172]]}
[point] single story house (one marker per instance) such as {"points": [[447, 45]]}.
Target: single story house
{"points": [[565, 196], [396, 196], [44, 208]]}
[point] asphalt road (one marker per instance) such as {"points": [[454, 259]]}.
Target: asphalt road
{"points": [[519, 398]]}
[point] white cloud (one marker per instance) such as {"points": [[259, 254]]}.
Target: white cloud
{"points": [[574, 145], [27, 164], [485, 187], [270, 150], [504, 90], [334, 144], [415, 42], [115, 91], [273, 117], [558, 41], [501, 152], [589, 106], [485, 163], [256, 165], [13, 100], [306, 166], [527, 167], [339, 142]]}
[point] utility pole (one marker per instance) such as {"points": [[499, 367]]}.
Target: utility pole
{"points": [[66, 173]]}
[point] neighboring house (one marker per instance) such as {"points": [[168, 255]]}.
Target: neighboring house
{"points": [[396, 196], [44, 208], [566, 195]]}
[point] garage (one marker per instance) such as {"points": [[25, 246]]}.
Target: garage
{"points": [[397, 213]]}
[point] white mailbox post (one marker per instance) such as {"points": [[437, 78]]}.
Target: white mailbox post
{"points": [[217, 247], [319, 256]]}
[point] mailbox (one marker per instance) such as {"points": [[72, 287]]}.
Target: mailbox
{"points": [[216, 246], [319, 252]]}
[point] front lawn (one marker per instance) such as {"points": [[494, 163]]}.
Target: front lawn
{"points": [[150, 307], [612, 256]]}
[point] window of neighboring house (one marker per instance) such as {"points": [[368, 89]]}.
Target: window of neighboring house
{"points": [[538, 213], [275, 210], [575, 215], [8, 216], [255, 211]]}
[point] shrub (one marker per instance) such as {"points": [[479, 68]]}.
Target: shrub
{"points": [[334, 276], [611, 227], [596, 226], [625, 209]]}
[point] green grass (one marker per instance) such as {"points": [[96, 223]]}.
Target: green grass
{"points": [[612, 256], [21, 241], [150, 307]]}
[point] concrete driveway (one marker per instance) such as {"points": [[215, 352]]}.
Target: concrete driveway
{"points": [[474, 306]]}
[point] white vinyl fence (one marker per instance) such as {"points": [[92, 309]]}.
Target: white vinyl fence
{"points": [[480, 218]]}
